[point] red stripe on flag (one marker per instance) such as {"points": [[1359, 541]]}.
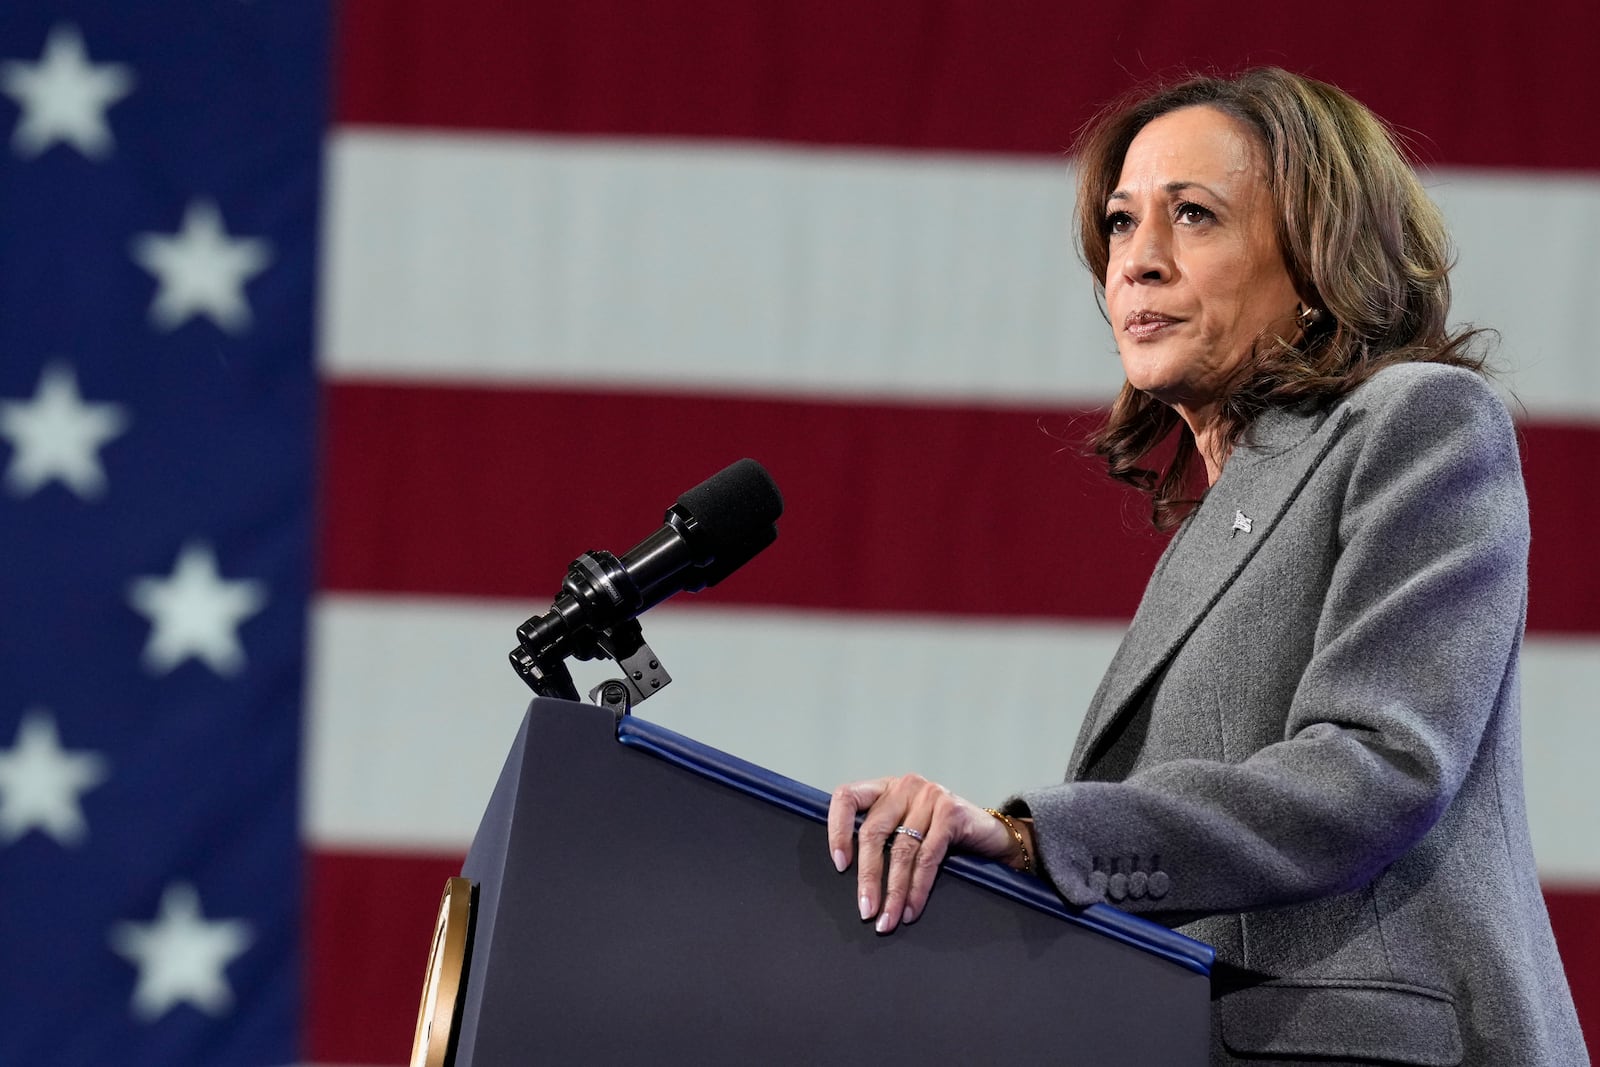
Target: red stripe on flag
{"points": [[1575, 918], [369, 927], [1563, 582], [901, 508], [954, 74], [888, 507]]}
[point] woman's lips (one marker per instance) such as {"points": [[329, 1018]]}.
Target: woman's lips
{"points": [[1143, 325]]}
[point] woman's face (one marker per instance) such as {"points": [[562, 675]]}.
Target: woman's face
{"points": [[1195, 275]]}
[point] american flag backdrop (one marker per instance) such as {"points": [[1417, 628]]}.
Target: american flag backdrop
{"points": [[328, 336]]}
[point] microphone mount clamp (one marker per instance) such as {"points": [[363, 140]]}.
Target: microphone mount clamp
{"points": [[546, 673]]}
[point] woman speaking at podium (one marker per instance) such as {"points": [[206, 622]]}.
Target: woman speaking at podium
{"points": [[1306, 751]]}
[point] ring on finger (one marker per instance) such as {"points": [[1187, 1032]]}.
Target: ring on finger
{"points": [[915, 835]]}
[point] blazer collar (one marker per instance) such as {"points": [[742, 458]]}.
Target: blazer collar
{"points": [[1258, 482]]}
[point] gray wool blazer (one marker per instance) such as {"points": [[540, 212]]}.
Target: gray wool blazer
{"points": [[1307, 752]]}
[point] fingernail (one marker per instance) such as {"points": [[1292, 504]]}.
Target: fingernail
{"points": [[841, 859], [866, 907], [883, 923], [910, 915]]}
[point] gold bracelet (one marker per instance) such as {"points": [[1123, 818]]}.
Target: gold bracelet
{"points": [[1016, 835]]}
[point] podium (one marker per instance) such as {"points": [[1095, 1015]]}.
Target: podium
{"points": [[637, 897]]}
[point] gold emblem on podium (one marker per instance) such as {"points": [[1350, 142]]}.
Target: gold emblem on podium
{"points": [[439, 1015]]}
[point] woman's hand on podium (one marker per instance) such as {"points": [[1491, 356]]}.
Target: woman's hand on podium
{"points": [[910, 825]]}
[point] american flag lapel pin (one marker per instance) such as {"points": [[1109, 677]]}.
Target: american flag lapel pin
{"points": [[1241, 522]]}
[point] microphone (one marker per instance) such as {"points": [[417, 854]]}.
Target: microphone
{"points": [[708, 533]]}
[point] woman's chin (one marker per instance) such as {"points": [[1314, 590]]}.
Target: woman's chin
{"points": [[1149, 381]]}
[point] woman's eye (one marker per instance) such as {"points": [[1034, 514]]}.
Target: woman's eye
{"points": [[1193, 213], [1119, 222]]}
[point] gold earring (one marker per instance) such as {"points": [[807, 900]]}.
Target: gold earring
{"points": [[1308, 317]]}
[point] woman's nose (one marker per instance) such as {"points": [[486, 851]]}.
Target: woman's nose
{"points": [[1147, 254]]}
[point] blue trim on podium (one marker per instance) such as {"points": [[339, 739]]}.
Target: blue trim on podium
{"points": [[812, 803]]}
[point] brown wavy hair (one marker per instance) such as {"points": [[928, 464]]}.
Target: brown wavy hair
{"points": [[1362, 242]]}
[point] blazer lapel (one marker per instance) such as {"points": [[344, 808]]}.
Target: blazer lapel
{"points": [[1213, 546]]}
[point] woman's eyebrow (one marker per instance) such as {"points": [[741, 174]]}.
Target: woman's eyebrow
{"points": [[1172, 189]]}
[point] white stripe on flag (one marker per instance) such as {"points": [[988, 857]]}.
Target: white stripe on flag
{"points": [[1560, 676], [413, 708], [540, 259], [619, 262], [414, 704]]}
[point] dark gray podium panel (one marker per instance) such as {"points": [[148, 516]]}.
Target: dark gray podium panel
{"points": [[633, 911]]}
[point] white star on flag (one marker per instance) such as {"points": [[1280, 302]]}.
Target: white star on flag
{"points": [[41, 783], [64, 97], [181, 955], [201, 270], [195, 612], [57, 437]]}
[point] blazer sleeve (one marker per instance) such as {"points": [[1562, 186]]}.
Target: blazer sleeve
{"points": [[1415, 642]]}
